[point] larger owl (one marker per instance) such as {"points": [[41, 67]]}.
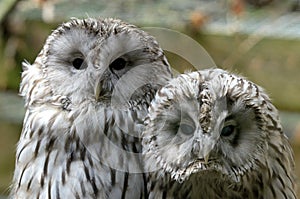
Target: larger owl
{"points": [[212, 134], [86, 96]]}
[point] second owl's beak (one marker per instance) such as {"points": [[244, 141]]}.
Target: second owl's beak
{"points": [[206, 158], [201, 149]]}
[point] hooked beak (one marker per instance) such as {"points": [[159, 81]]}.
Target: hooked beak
{"points": [[202, 148], [97, 90], [206, 158]]}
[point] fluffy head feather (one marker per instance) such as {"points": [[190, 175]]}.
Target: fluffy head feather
{"points": [[85, 58]]}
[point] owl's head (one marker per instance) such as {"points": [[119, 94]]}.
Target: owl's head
{"points": [[209, 120], [88, 60]]}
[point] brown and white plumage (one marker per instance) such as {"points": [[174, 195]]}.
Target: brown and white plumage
{"points": [[213, 134], [80, 136]]}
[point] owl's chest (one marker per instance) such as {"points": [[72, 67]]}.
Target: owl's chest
{"points": [[210, 185], [88, 157]]}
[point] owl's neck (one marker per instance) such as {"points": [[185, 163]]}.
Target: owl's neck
{"points": [[111, 135], [213, 184]]}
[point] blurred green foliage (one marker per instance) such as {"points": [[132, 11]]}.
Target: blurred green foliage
{"points": [[22, 43], [272, 63]]}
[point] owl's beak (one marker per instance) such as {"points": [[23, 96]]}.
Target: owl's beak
{"points": [[206, 158], [202, 148], [97, 90]]}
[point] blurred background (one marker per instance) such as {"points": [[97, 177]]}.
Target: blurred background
{"points": [[259, 39]]}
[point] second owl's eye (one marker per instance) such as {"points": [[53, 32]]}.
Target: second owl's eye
{"points": [[77, 63], [118, 64], [230, 127], [186, 129], [227, 130]]}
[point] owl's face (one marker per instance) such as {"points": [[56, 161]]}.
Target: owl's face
{"points": [[84, 60], [206, 121]]}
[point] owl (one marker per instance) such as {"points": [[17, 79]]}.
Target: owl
{"points": [[213, 134], [86, 96]]}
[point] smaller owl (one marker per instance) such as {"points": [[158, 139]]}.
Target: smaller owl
{"points": [[212, 134]]}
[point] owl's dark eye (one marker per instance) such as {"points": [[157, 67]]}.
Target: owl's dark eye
{"points": [[118, 64], [186, 129], [228, 130], [77, 63]]}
